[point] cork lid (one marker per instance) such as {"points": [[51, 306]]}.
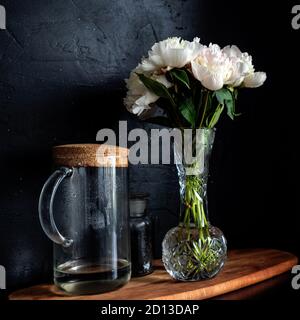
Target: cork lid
{"points": [[90, 155]]}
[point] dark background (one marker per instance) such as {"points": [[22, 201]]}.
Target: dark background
{"points": [[62, 65]]}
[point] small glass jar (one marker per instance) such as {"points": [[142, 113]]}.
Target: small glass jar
{"points": [[141, 236]]}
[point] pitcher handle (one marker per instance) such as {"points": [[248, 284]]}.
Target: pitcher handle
{"points": [[46, 206]]}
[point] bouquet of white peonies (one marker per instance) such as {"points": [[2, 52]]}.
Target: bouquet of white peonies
{"points": [[191, 82]]}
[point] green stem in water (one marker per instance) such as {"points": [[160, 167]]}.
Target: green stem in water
{"points": [[194, 207]]}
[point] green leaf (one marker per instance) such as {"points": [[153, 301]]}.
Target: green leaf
{"points": [[215, 117], [188, 111], [227, 98], [182, 76], [162, 121], [222, 95], [156, 87], [230, 108]]}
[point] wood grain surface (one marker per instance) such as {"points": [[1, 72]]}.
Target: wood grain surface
{"points": [[243, 268]]}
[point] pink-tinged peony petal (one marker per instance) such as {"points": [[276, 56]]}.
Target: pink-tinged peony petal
{"points": [[255, 79], [232, 51], [213, 81], [199, 71]]}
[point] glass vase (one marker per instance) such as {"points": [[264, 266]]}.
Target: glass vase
{"points": [[195, 249]]}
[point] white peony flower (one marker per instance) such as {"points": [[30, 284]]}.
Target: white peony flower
{"points": [[171, 53], [211, 67], [242, 69], [138, 96], [241, 65]]}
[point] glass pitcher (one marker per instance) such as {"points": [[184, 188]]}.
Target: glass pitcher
{"points": [[83, 209]]}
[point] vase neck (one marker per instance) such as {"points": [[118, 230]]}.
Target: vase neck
{"points": [[193, 149], [193, 175], [193, 197]]}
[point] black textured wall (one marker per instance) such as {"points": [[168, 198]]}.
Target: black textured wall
{"points": [[62, 65], [61, 79]]}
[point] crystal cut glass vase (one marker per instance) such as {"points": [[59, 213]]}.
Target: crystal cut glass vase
{"points": [[195, 249]]}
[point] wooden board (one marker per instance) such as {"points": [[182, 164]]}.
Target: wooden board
{"points": [[243, 268]]}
